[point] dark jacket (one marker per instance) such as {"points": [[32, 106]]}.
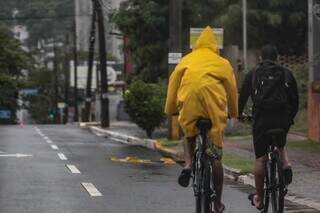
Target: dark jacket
{"points": [[293, 97]]}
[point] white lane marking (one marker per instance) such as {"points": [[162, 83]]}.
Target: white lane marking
{"points": [[18, 155], [49, 141], [46, 138], [91, 189], [54, 147], [62, 156], [73, 169]]}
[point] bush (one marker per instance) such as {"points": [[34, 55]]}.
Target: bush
{"points": [[144, 104], [38, 107], [8, 98]]}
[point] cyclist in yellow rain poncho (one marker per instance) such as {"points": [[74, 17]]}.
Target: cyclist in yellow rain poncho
{"points": [[203, 85]]}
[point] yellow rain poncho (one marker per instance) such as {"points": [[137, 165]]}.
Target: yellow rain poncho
{"points": [[203, 85]]}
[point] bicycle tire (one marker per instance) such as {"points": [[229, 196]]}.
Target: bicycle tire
{"points": [[277, 181], [197, 181], [266, 192], [206, 204]]}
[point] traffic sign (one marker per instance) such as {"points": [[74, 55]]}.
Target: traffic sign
{"points": [[195, 33]]}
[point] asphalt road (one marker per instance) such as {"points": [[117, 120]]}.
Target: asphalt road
{"points": [[39, 181]]}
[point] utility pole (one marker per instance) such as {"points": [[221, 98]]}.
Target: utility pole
{"points": [[90, 65], [105, 122], [245, 40], [314, 70], [175, 49], [55, 82], [67, 79], [75, 67]]}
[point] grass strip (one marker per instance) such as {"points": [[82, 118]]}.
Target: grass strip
{"points": [[237, 162]]}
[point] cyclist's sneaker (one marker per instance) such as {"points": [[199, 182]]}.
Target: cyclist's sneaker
{"points": [[287, 173], [184, 177]]}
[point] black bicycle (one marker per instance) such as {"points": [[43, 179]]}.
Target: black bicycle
{"points": [[275, 188], [202, 170]]}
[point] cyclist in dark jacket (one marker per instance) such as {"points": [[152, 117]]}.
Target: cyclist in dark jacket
{"points": [[264, 121]]}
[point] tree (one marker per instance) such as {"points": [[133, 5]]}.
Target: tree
{"points": [[13, 59], [281, 22], [45, 19], [145, 23]]}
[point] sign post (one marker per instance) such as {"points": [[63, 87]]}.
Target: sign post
{"points": [[175, 47]]}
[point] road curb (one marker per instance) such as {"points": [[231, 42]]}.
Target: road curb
{"points": [[231, 173]]}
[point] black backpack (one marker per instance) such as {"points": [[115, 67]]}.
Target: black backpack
{"points": [[270, 86]]}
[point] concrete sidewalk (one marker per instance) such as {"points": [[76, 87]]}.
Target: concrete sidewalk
{"points": [[306, 165]]}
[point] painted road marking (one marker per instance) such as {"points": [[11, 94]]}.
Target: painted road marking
{"points": [[46, 138], [49, 141], [54, 147], [62, 156], [73, 169], [91, 189], [18, 155]]}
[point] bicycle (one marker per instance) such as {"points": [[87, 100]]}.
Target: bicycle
{"points": [[203, 185], [275, 187]]}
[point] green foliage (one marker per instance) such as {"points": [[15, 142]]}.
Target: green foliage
{"points": [[300, 71], [13, 59], [145, 23], [8, 96], [145, 104], [45, 19], [8, 91], [38, 107], [282, 22], [40, 79]]}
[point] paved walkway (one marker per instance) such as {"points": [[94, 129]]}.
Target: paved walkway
{"points": [[306, 165]]}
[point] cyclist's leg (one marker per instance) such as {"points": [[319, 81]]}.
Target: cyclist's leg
{"points": [[259, 175], [218, 184], [284, 157], [261, 148], [189, 146], [287, 170]]}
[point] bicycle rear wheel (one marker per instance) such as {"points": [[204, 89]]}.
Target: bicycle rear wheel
{"points": [[203, 195], [206, 203], [266, 193], [277, 181]]}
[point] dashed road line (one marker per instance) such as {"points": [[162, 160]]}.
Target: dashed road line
{"points": [[49, 141], [91, 189], [54, 147], [73, 169], [46, 138], [62, 156]]}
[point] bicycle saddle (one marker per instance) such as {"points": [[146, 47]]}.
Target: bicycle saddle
{"points": [[204, 124]]}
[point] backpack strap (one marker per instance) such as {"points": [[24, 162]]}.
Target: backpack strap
{"points": [[254, 76]]}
